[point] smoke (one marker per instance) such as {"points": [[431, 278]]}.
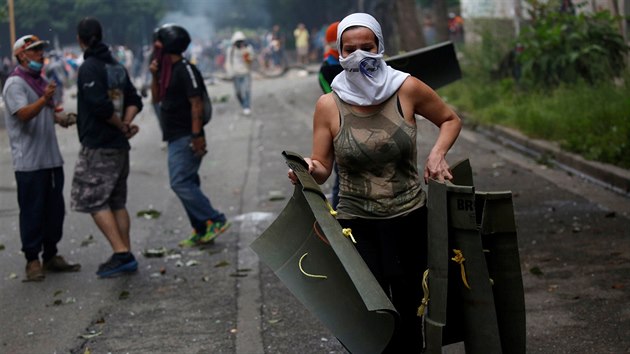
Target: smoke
{"points": [[204, 18], [199, 26]]}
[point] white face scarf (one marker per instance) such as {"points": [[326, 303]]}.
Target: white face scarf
{"points": [[366, 80]]}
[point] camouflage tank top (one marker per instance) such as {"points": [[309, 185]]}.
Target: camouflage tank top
{"points": [[376, 155]]}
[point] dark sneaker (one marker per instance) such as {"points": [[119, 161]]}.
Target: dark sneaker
{"points": [[214, 230], [34, 271], [118, 264], [59, 264]]}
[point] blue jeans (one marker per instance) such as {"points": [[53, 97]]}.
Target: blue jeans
{"points": [[42, 210], [183, 170], [243, 88]]}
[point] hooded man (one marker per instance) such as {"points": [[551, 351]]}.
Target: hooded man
{"points": [[107, 104], [238, 64]]}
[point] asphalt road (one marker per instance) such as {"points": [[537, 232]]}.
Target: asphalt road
{"points": [[219, 299]]}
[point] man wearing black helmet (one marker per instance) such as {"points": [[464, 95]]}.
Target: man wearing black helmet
{"points": [[179, 88]]}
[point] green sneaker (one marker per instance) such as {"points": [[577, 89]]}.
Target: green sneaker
{"points": [[214, 229], [192, 241]]}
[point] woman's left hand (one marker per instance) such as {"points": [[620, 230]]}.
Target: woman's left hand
{"points": [[436, 168]]}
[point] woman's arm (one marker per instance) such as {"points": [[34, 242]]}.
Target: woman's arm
{"points": [[323, 156], [426, 102], [320, 164]]}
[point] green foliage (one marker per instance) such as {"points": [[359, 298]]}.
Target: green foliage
{"points": [[590, 120], [122, 20], [4, 12], [562, 47]]}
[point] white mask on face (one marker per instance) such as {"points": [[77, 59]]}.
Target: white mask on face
{"points": [[366, 79], [362, 64]]}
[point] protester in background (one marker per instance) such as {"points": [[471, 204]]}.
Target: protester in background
{"points": [[301, 43], [429, 30], [107, 104], [327, 72], [368, 126], [456, 27], [30, 118], [179, 87], [55, 71], [238, 65], [276, 47]]}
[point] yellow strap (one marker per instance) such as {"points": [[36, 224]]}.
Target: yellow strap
{"points": [[309, 274], [425, 300], [459, 258], [348, 233]]}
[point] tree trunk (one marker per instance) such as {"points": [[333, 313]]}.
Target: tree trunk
{"points": [[409, 30], [440, 11]]}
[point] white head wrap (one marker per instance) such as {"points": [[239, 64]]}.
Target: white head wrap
{"points": [[354, 85]]}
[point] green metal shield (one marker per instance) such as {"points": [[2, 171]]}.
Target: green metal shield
{"points": [[480, 299], [307, 250]]}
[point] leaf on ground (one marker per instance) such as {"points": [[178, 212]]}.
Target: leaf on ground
{"points": [[238, 275], [192, 263], [222, 264], [276, 195], [58, 292], [148, 214], [1, 247], [87, 241], [123, 295], [154, 252], [536, 271], [274, 321], [91, 334]]}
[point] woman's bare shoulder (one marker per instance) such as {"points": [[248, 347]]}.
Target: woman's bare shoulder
{"points": [[326, 103]]}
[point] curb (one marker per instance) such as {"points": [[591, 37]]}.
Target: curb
{"points": [[605, 175]]}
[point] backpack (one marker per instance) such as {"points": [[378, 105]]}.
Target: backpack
{"points": [[207, 103], [207, 106]]}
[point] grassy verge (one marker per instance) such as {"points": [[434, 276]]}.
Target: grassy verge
{"points": [[593, 121]]}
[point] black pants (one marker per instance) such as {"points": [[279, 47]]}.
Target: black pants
{"points": [[42, 210], [395, 250]]}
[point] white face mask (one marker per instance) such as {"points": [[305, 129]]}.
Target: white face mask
{"points": [[366, 79], [362, 65]]}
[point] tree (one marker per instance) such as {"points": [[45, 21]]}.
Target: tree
{"points": [[409, 30], [123, 21], [440, 11]]}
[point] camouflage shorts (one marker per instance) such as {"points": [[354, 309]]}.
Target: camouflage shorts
{"points": [[100, 180]]}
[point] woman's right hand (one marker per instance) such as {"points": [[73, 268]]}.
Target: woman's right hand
{"points": [[293, 177]]}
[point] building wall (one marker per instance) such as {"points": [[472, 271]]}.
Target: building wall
{"points": [[473, 10]]}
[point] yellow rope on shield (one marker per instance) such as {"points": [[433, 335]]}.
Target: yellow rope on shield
{"points": [[332, 211], [309, 274], [459, 258], [425, 300], [348, 233]]}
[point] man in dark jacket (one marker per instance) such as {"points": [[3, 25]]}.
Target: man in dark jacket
{"points": [[107, 104], [179, 88]]}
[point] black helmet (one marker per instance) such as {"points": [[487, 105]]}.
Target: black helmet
{"points": [[175, 39]]}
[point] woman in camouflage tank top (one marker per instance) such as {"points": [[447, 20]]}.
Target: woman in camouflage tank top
{"points": [[367, 125]]}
